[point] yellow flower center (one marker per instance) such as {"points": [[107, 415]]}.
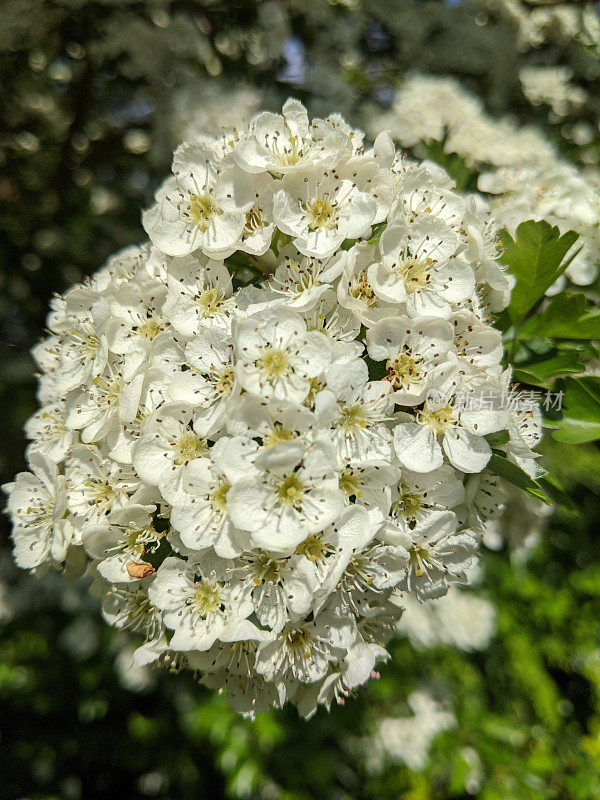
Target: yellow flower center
{"points": [[351, 419], [202, 208], [290, 491], [224, 381], [149, 329], [254, 220], [349, 483], [418, 559], [321, 214], [137, 540], [218, 499], [103, 491], [141, 606], [290, 154], [360, 289], [415, 274], [267, 569], [188, 447], [109, 390], [274, 363], [41, 513], [278, 435], [408, 503], [298, 639], [315, 387], [210, 301], [313, 548], [206, 598], [402, 370], [440, 419]]}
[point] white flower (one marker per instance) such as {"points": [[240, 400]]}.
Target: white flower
{"points": [[295, 493], [476, 344], [416, 352], [286, 143], [258, 477], [122, 542], [203, 206], [230, 666], [369, 485], [202, 518], [360, 577], [481, 236], [343, 679], [407, 740], [460, 421], [419, 269], [340, 326], [525, 429], [458, 619], [372, 175], [485, 496], [417, 494], [302, 281], [48, 431], [137, 322], [355, 290], [196, 602], [82, 355], [273, 422], [167, 446], [108, 400], [199, 295], [129, 608], [438, 554], [36, 504], [320, 210], [303, 651], [421, 198], [259, 226], [277, 356], [96, 484], [355, 409], [120, 439], [278, 587], [209, 382]]}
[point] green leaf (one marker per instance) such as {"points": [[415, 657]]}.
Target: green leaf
{"points": [[497, 439], [567, 317], [542, 373], [556, 492], [581, 411], [535, 258], [518, 477]]}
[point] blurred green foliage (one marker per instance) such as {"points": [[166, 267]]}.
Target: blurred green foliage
{"points": [[86, 94]]}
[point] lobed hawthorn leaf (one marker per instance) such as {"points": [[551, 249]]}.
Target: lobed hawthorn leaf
{"points": [[581, 411], [518, 477], [536, 259]]}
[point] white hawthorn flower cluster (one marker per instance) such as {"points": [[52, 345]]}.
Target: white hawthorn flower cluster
{"points": [[255, 476], [519, 170]]}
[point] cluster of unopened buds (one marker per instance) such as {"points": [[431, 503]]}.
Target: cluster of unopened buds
{"points": [[256, 474]]}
